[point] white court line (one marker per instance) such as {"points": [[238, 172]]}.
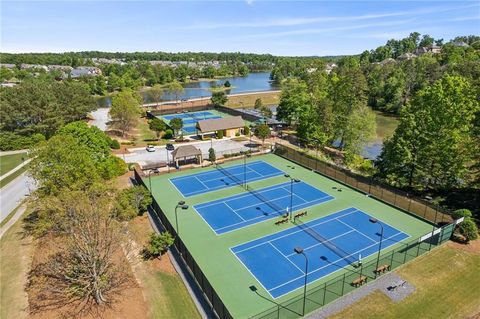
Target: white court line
{"points": [[319, 243], [297, 231], [243, 195], [356, 230], [201, 182], [233, 210], [286, 258], [331, 263], [248, 220]]}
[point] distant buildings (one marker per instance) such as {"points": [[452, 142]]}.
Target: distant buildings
{"points": [[85, 71], [7, 65], [406, 56], [433, 49]]}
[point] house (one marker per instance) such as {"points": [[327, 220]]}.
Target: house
{"points": [[460, 44], [7, 65], [85, 71], [64, 68], [406, 56], [25, 66], [330, 66], [433, 49], [230, 126]]}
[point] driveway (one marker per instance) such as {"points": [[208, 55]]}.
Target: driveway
{"points": [[141, 156]]}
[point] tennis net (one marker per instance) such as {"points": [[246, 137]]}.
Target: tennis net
{"points": [[277, 209], [337, 250], [230, 175]]}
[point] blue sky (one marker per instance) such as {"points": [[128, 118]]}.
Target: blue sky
{"points": [[280, 28]]}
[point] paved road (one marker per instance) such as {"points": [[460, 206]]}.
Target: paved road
{"points": [[141, 156], [2, 153], [12, 194]]}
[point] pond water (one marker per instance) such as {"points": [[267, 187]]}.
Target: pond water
{"points": [[386, 125], [259, 81]]}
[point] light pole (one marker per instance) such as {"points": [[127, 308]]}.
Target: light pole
{"points": [[291, 191], [183, 206], [150, 181], [299, 250], [375, 221], [245, 155], [168, 160]]}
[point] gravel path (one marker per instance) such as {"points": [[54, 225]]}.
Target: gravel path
{"points": [[390, 284]]}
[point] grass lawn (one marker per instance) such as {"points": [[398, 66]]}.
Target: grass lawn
{"points": [[163, 288], [446, 282], [9, 162], [11, 177], [248, 100], [15, 256]]}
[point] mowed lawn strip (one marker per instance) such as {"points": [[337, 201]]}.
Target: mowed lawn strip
{"points": [[15, 259], [162, 287], [9, 162], [447, 282]]}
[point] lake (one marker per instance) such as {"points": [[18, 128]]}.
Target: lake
{"points": [[259, 81]]}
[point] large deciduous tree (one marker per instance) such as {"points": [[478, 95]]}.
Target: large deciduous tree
{"points": [[125, 110], [294, 101], [434, 145]]}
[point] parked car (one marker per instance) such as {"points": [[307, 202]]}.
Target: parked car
{"points": [[170, 147], [150, 148]]}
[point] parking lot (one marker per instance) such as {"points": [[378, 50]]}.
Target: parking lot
{"points": [[141, 156]]}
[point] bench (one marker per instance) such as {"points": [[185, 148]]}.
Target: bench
{"points": [[382, 269], [297, 215], [359, 281], [281, 221]]}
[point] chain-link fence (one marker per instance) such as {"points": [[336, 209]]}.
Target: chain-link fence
{"points": [[385, 193], [337, 287], [209, 293]]}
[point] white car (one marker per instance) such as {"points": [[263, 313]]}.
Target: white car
{"points": [[150, 148]]}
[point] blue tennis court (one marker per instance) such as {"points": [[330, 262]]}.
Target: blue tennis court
{"points": [[346, 234], [190, 119], [245, 209], [213, 180]]}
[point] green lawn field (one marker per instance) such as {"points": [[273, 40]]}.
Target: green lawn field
{"points": [[9, 162], [230, 279]]}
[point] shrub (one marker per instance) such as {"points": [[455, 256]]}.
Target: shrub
{"points": [[114, 144], [10, 141], [246, 130], [211, 155], [159, 244], [227, 84], [168, 134], [219, 134], [131, 202], [469, 229], [459, 213], [237, 134]]}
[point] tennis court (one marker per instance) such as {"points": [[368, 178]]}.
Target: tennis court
{"points": [[345, 235], [231, 213], [190, 119], [230, 176]]}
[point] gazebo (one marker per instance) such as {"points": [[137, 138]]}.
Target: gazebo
{"points": [[186, 152]]}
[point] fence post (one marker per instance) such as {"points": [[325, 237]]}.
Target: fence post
{"points": [[343, 283], [391, 259], [324, 294], [409, 203]]}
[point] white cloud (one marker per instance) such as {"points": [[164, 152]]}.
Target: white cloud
{"points": [[289, 22]]}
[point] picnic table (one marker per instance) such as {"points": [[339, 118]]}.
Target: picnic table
{"points": [[359, 281], [382, 269]]}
